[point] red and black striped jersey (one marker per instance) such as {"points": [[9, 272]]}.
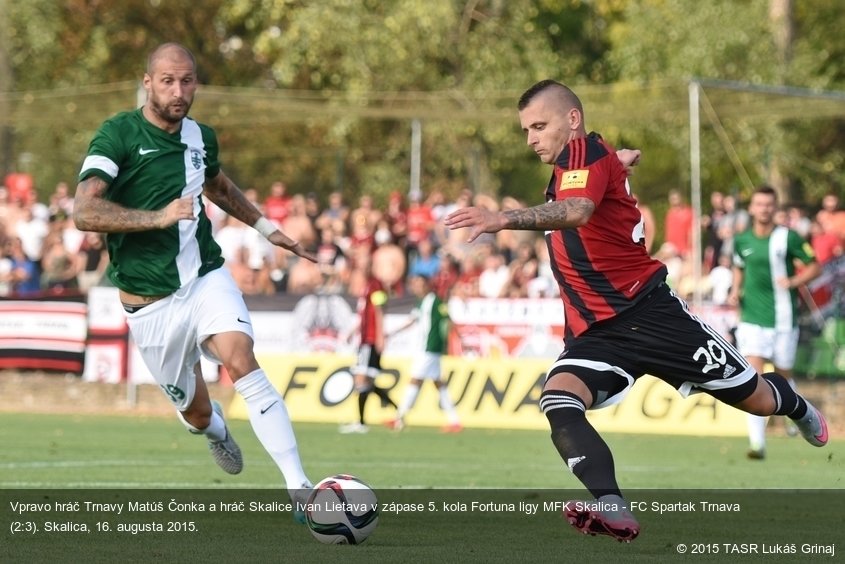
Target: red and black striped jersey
{"points": [[601, 267], [369, 304]]}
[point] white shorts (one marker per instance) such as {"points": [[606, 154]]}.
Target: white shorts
{"points": [[768, 343], [170, 333], [426, 366]]}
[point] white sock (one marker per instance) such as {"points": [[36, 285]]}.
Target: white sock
{"points": [[448, 407], [408, 401], [757, 431], [216, 430], [273, 427]]}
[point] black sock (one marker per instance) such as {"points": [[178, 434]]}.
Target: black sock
{"points": [[582, 449], [362, 401], [385, 399], [787, 401]]}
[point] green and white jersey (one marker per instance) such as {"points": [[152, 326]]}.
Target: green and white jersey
{"points": [[147, 168], [763, 260], [433, 318]]}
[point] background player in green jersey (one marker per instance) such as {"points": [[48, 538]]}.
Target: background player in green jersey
{"points": [[765, 287], [432, 316], [142, 183]]}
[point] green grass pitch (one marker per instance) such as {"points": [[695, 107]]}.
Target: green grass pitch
{"points": [[792, 502]]}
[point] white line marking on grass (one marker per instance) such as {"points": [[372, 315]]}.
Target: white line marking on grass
{"points": [[141, 485], [96, 463]]}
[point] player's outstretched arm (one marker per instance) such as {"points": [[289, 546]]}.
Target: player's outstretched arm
{"points": [[562, 214], [92, 212], [401, 328], [223, 192], [629, 159]]}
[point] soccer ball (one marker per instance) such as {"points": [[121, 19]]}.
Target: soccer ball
{"points": [[342, 510]]}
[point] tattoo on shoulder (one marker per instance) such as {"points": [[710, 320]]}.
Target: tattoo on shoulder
{"points": [[561, 214]]}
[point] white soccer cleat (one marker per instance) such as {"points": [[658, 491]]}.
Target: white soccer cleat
{"points": [[226, 453], [350, 428], [299, 498]]}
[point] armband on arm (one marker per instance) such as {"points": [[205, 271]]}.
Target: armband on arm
{"points": [[265, 227]]}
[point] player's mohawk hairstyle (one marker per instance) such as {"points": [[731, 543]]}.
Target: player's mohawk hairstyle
{"points": [[565, 96], [532, 92]]}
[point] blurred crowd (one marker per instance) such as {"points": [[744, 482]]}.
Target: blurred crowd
{"points": [[41, 251], [403, 238]]}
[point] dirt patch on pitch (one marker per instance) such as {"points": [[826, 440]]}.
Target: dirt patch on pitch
{"points": [[38, 392]]}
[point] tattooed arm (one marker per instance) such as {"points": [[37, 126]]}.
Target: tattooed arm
{"points": [[92, 212], [223, 192], [562, 214], [571, 212]]}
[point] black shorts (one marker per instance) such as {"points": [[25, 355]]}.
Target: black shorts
{"points": [[368, 362], [660, 337]]}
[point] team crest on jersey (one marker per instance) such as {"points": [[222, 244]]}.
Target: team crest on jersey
{"points": [[196, 158], [574, 179]]}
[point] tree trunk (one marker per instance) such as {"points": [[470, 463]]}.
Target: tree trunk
{"points": [[6, 81]]}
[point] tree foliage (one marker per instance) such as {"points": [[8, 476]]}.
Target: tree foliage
{"points": [[460, 63]]}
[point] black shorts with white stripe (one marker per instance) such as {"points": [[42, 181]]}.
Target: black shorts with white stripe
{"points": [[368, 362], [661, 337]]}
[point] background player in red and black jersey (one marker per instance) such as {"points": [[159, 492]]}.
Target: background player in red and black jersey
{"points": [[371, 330], [622, 320]]}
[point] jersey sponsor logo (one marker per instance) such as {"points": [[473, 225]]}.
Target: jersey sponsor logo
{"points": [[142, 151], [746, 252], [196, 158], [574, 179]]}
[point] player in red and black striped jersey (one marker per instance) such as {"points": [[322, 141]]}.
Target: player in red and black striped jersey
{"points": [[602, 267], [622, 320], [368, 364]]}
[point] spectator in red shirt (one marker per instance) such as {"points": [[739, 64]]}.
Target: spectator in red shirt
{"points": [[277, 204], [397, 218], [420, 223], [446, 277], [826, 245], [679, 224]]}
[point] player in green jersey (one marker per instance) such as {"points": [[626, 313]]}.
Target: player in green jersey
{"points": [[142, 183], [765, 287], [432, 316]]}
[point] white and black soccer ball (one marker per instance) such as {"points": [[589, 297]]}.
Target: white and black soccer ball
{"points": [[342, 510]]}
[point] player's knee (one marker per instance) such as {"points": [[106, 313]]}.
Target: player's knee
{"points": [[364, 386], [761, 402], [569, 382], [240, 365]]}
